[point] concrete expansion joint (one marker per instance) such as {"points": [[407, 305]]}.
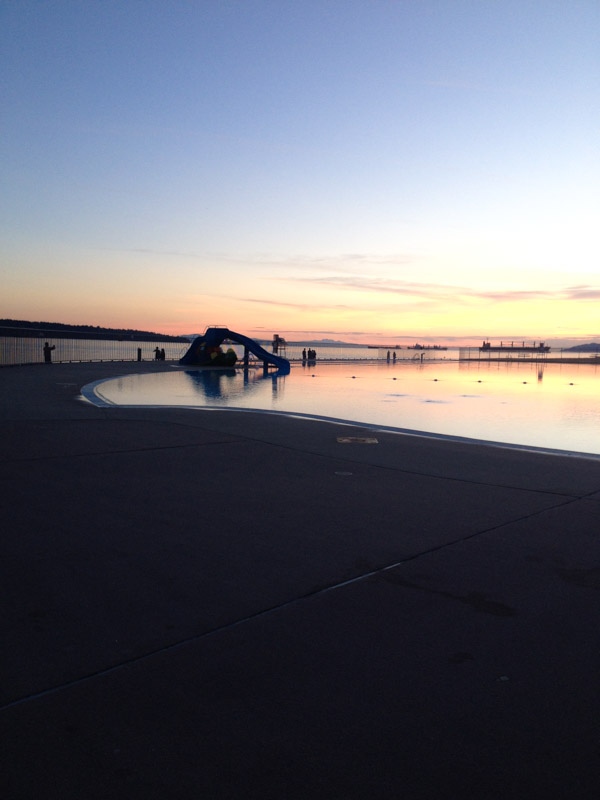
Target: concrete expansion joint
{"points": [[476, 601], [101, 453]]}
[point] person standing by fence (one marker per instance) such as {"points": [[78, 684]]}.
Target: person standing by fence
{"points": [[48, 353]]}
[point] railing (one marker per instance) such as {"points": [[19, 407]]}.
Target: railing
{"points": [[519, 354], [21, 350], [29, 349]]}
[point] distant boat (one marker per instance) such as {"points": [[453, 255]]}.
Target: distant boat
{"points": [[487, 347], [426, 347]]}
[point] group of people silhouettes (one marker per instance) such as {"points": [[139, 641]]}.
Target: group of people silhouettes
{"points": [[159, 355], [311, 355]]}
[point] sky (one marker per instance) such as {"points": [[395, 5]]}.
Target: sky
{"points": [[366, 171]]}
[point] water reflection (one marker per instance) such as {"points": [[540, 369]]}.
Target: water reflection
{"points": [[551, 406], [228, 385], [212, 383]]}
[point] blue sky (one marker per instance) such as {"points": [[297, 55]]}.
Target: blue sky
{"points": [[353, 170]]}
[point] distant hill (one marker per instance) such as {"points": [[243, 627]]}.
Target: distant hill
{"points": [[19, 327], [290, 342], [592, 347]]}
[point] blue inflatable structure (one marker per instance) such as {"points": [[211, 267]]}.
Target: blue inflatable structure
{"points": [[207, 351]]}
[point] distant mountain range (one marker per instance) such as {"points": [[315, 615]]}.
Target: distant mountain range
{"points": [[592, 347], [261, 340]]}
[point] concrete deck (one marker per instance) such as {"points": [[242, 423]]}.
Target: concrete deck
{"points": [[202, 604]]}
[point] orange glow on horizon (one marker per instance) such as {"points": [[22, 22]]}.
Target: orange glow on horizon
{"points": [[431, 322]]}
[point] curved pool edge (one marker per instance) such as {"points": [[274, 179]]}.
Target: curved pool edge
{"points": [[89, 393]]}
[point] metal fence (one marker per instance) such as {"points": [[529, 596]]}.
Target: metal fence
{"points": [[29, 349], [519, 355], [21, 350]]}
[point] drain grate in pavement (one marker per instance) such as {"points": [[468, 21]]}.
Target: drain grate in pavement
{"points": [[357, 440]]}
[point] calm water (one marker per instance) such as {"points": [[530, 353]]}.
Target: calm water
{"points": [[546, 406]]}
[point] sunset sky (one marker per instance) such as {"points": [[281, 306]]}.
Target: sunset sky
{"points": [[371, 171]]}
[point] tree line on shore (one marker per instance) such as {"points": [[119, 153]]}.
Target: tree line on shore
{"points": [[17, 327]]}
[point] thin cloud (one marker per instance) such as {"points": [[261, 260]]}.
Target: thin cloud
{"points": [[346, 271], [261, 301], [582, 293], [344, 262], [296, 306], [336, 333], [431, 291], [514, 295], [424, 292]]}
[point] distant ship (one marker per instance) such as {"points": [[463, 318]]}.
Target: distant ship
{"points": [[487, 347], [426, 347]]}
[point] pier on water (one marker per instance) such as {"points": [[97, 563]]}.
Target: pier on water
{"points": [[505, 351]]}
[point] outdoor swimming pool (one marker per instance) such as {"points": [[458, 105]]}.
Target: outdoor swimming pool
{"points": [[548, 406]]}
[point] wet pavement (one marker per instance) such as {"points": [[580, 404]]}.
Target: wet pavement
{"points": [[221, 604]]}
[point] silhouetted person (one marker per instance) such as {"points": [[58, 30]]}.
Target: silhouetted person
{"points": [[162, 354], [156, 354], [48, 352], [304, 354]]}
